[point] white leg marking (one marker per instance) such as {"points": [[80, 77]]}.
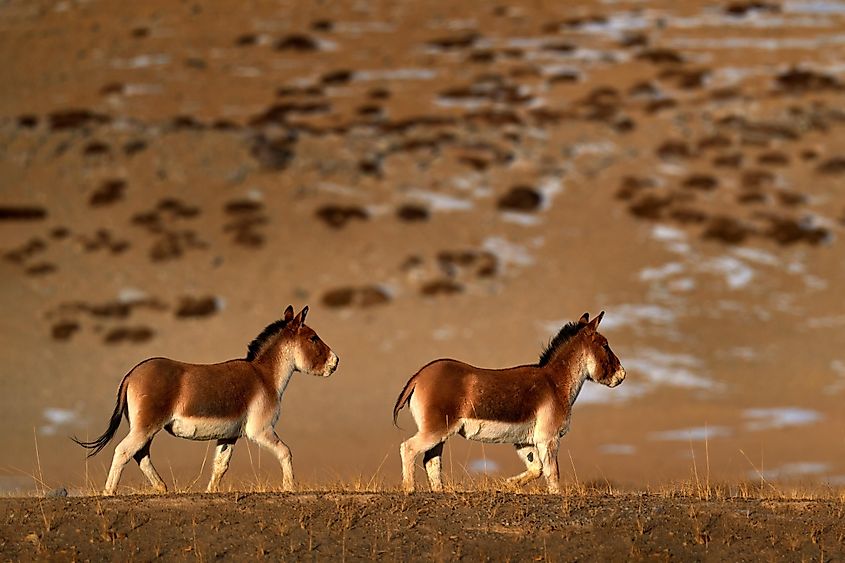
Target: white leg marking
{"points": [[409, 450], [548, 457], [270, 440], [432, 462], [222, 455], [124, 451], [534, 468], [146, 465]]}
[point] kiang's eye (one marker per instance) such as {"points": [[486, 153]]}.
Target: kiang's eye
{"points": [[315, 339]]}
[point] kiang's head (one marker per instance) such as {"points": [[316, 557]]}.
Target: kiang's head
{"points": [[310, 354], [604, 365]]}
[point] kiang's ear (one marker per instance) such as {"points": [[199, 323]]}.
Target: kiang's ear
{"points": [[585, 318], [300, 318], [289, 313], [594, 324]]}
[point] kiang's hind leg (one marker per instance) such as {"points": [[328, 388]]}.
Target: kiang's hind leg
{"points": [[533, 467], [128, 448], [432, 463], [222, 455], [411, 448], [142, 456]]}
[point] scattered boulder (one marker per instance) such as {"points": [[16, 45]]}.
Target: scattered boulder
{"points": [[337, 216], [196, 307], [522, 199]]}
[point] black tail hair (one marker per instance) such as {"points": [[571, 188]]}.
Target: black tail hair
{"points": [[114, 422], [404, 397]]}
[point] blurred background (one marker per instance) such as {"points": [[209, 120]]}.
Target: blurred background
{"points": [[437, 179]]}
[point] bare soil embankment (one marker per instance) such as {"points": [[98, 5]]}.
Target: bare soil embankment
{"points": [[472, 526]]}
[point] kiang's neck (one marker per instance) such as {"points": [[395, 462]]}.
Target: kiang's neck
{"points": [[570, 367], [278, 363]]}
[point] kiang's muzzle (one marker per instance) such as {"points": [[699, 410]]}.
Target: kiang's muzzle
{"points": [[618, 377], [331, 365]]}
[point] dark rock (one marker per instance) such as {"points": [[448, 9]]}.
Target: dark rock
{"points": [[108, 193], [522, 199], [650, 206], [726, 230], [243, 206], [660, 56], [194, 307], [22, 213], [75, 119], [743, 8], [411, 213], [337, 77], [786, 231], [441, 287], [246, 40], [832, 167], [455, 42], [337, 216], [703, 182], [134, 335], [28, 121], [796, 80], [297, 42]]}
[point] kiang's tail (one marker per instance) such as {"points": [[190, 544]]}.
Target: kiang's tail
{"points": [[404, 397], [114, 422]]}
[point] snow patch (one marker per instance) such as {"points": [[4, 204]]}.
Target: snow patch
{"points": [[441, 202], [617, 449], [675, 370], [485, 466], [792, 470], [508, 252], [693, 434], [55, 418], [782, 417]]}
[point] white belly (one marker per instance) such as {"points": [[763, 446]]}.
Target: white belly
{"points": [[198, 428], [498, 432]]}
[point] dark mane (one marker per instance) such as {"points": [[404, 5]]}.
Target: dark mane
{"points": [[563, 336], [258, 343]]}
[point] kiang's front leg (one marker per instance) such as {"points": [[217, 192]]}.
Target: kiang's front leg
{"points": [[270, 440], [548, 457], [533, 468]]}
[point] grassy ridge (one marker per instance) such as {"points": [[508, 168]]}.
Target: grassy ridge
{"points": [[583, 523]]}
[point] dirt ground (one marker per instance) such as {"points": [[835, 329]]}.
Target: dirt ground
{"points": [[472, 526]]}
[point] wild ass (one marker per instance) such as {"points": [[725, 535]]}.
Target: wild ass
{"points": [[529, 406], [216, 401]]}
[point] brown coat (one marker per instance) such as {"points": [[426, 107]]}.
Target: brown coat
{"points": [[216, 401], [529, 405]]}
